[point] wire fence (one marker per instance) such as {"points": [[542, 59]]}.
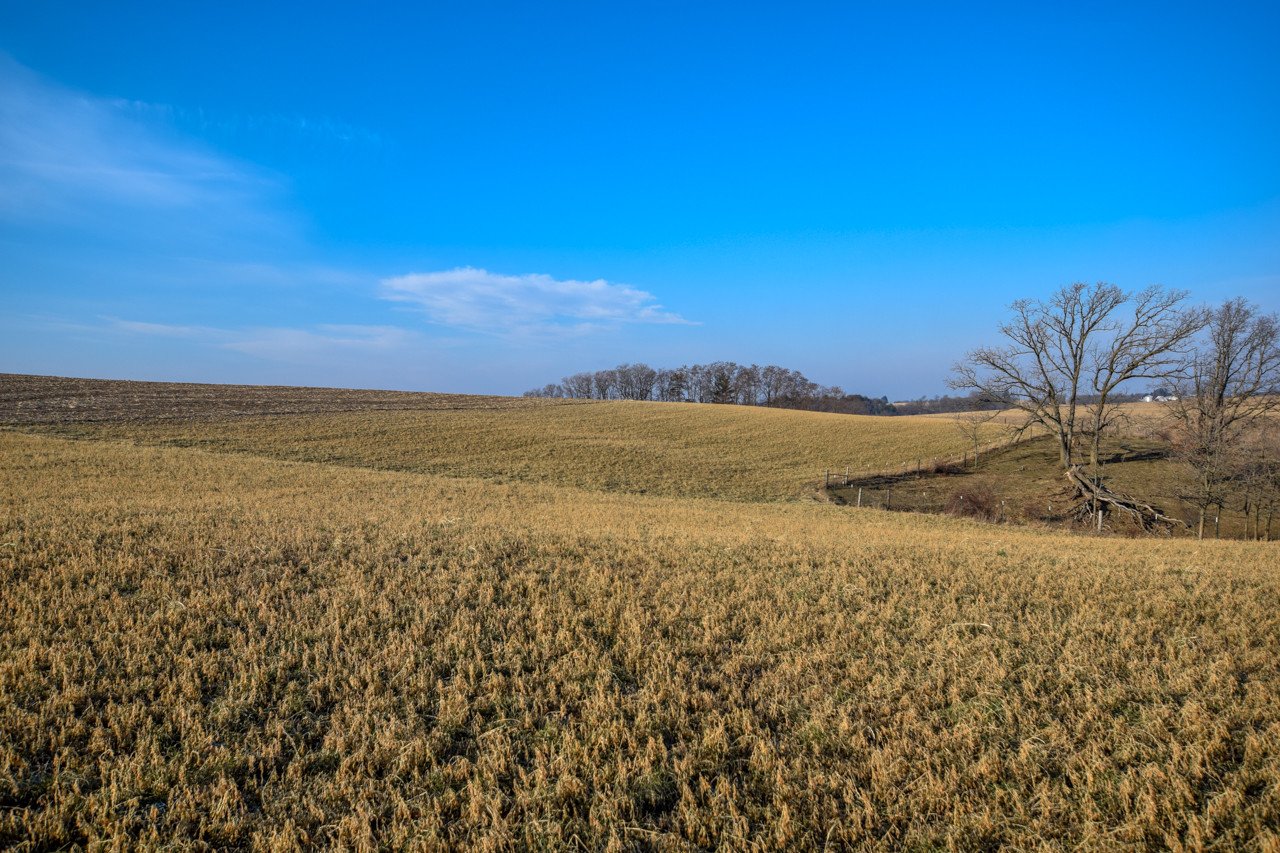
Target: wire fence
{"points": [[937, 485], [918, 467]]}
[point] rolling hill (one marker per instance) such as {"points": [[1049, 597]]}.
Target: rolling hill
{"points": [[357, 630]]}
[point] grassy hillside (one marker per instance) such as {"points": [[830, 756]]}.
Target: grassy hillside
{"points": [[659, 448], [218, 649], [1025, 483]]}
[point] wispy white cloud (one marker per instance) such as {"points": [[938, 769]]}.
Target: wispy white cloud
{"points": [[480, 300], [280, 275], [67, 156], [296, 127], [298, 345], [163, 330], [105, 197], [321, 342]]}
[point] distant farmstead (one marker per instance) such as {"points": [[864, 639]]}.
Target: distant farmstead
{"points": [[1160, 398]]}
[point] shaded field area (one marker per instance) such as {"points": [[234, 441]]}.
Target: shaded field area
{"points": [[210, 649], [54, 399], [1023, 483], [688, 449]]}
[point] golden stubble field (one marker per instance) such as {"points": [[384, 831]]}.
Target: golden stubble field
{"points": [[740, 452], [203, 649], [359, 631]]}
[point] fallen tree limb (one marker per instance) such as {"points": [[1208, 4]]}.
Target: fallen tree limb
{"points": [[1093, 495]]}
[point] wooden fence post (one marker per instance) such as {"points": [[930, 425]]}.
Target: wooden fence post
{"points": [[859, 496]]}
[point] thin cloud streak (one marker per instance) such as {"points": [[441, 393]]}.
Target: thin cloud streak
{"points": [[162, 329], [70, 158], [323, 342], [286, 344], [534, 303], [288, 125]]}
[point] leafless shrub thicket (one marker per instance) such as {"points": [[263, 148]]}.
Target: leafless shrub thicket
{"points": [[976, 500]]}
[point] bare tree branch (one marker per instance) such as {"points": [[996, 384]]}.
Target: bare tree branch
{"points": [[1226, 390], [1078, 345]]}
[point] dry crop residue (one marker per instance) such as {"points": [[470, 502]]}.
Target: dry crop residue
{"points": [[740, 452], [60, 400], [202, 649]]}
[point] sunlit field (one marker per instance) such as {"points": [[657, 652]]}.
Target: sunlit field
{"points": [[738, 452], [601, 626]]}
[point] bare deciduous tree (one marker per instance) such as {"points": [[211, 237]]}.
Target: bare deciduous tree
{"points": [[1254, 477], [1084, 342], [973, 426], [1260, 480], [578, 386], [603, 383], [1227, 388], [634, 381], [672, 384]]}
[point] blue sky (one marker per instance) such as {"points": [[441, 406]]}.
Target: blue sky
{"points": [[485, 197]]}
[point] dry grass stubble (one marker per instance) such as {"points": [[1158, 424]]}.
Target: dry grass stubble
{"points": [[740, 452], [221, 650]]}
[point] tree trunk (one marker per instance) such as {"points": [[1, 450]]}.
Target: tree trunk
{"points": [[1064, 451], [1093, 451]]}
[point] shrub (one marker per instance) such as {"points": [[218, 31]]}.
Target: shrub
{"points": [[975, 500]]}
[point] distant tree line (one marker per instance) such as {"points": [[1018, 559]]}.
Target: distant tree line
{"points": [[724, 382], [978, 402]]}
